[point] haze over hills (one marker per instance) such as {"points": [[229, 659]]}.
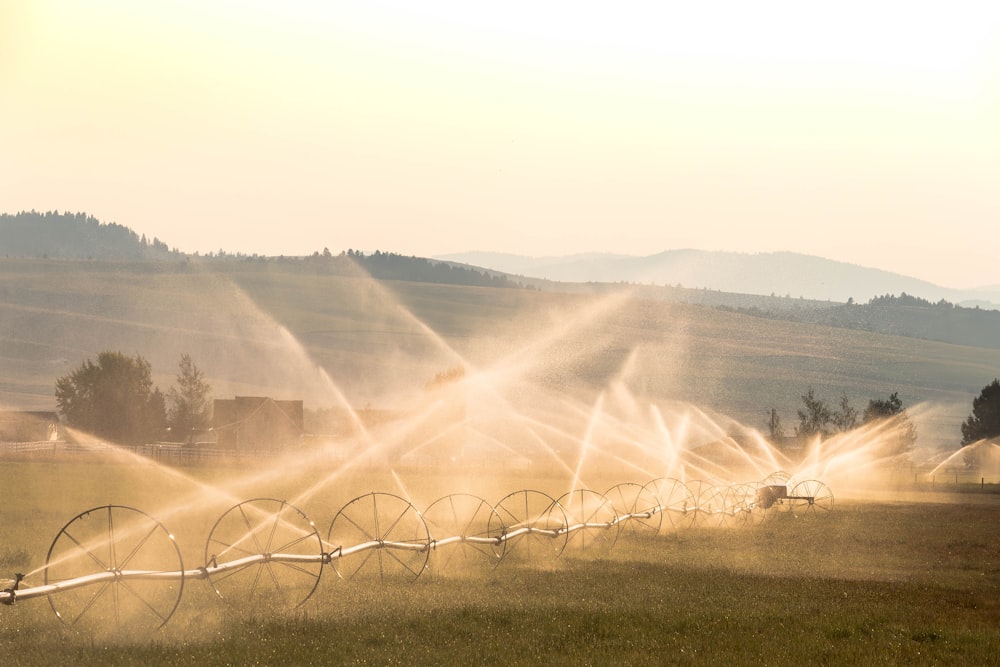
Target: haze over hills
{"points": [[757, 285], [777, 273], [372, 328], [299, 328], [81, 236]]}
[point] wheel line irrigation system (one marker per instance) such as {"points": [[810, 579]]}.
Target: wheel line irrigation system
{"points": [[116, 565]]}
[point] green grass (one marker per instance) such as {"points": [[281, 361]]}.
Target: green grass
{"points": [[871, 583]]}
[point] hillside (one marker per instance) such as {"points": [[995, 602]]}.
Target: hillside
{"points": [[78, 236], [82, 237], [775, 273], [902, 315], [273, 328]]}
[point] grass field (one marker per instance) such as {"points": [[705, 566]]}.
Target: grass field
{"points": [[601, 390], [873, 582]]}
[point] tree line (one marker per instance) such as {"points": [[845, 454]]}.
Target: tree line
{"points": [[392, 266], [379, 265], [818, 419], [904, 315], [114, 398], [30, 234], [75, 236]]}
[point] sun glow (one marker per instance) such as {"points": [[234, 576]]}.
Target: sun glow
{"points": [[543, 122]]}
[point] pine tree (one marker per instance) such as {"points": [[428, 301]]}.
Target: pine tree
{"points": [[189, 400], [984, 422]]}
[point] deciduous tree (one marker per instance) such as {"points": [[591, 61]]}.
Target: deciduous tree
{"points": [[113, 398], [902, 433], [846, 418], [815, 418]]}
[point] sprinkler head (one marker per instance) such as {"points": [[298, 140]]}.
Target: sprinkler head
{"points": [[13, 589]]}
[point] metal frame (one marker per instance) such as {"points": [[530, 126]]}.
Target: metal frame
{"points": [[115, 564]]}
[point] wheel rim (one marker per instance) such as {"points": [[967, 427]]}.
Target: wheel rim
{"points": [[675, 501], [466, 516], [642, 506], [392, 536], [120, 540], [534, 525], [812, 498], [264, 527], [592, 521]]}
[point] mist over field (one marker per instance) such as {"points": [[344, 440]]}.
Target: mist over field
{"points": [[442, 333], [487, 450], [328, 331]]}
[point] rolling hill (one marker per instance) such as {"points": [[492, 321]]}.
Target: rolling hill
{"points": [[375, 330], [775, 273], [288, 330]]}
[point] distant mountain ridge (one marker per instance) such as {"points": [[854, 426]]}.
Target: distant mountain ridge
{"points": [[777, 273], [55, 309], [55, 235], [78, 236]]}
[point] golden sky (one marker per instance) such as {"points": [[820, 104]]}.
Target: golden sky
{"points": [[867, 132]]}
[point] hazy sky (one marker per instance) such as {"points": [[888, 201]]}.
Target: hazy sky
{"points": [[867, 132]]}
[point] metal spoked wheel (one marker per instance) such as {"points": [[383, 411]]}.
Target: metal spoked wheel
{"points": [[707, 502], [468, 531], [379, 535], [764, 504], [640, 504], [127, 569], [811, 497], [741, 499], [264, 551], [727, 506], [676, 501], [717, 504], [534, 525], [593, 523]]}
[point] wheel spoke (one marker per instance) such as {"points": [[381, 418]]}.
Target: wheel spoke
{"points": [[273, 527], [382, 518], [138, 547], [90, 603], [87, 550], [111, 541], [146, 603]]}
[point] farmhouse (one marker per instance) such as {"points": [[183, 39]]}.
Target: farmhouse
{"points": [[257, 423]]}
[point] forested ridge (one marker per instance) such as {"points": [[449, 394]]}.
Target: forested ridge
{"points": [[903, 315], [78, 236], [52, 234]]}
